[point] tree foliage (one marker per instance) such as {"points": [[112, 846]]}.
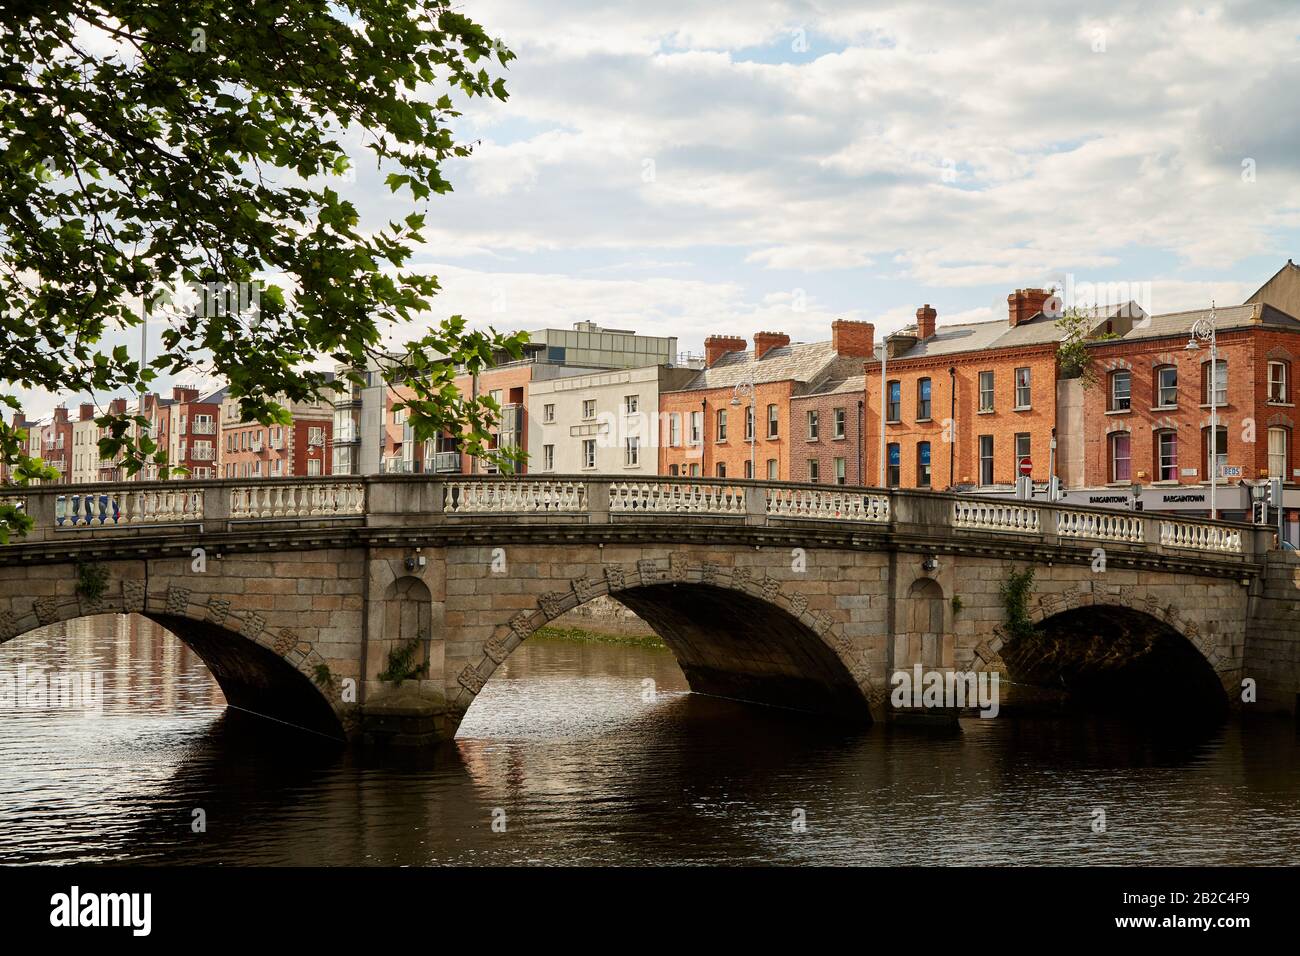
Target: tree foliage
{"points": [[1072, 357], [154, 147]]}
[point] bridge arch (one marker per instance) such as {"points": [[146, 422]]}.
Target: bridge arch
{"points": [[1117, 649], [272, 675], [788, 655]]}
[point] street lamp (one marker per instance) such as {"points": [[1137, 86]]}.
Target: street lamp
{"points": [[884, 401], [1203, 330], [746, 387]]}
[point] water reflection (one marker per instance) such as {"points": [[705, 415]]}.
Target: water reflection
{"points": [[597, 754]]}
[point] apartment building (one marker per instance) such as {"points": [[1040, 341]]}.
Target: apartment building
{"points": [[56, 444], [827, 424], [1149, 419], [966, 404], [603, 422], [85, 446], [300, 449], [734, 418], [382, 440]]}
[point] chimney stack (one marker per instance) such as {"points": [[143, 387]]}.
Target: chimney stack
{"points": [[764, 342], [716, 346], [925, 317], [182, 395], [1024, 304], [117, 406], [855, 339], [61, 415], [87, 412]]}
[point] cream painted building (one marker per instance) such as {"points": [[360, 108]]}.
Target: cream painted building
{"points": [[600, 422]]}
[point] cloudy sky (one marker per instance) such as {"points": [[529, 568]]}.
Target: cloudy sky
{"points": [[685, 168]]}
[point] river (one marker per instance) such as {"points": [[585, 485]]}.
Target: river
{"points": [[597, 753]]}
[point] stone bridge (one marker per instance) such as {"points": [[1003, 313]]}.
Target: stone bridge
{"points": [[379, 607]]}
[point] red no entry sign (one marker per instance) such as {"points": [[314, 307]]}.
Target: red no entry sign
{"points": [[1026, 466]]}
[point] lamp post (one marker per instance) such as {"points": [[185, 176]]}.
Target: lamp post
{"points": [[884, 355], [746, 387], [1203, 330]]}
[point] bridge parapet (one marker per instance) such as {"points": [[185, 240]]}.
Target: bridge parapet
{"points": [[160, 508]]}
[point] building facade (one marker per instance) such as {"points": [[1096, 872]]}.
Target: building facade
{"points": [[300, 449], [734, 419], [605, 422]]}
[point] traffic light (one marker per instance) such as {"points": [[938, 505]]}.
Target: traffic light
{"points": [[1275, 492], [1259, 511]]}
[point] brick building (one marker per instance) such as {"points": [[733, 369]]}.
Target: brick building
{"points": [[827, 424], [965, 404], [1149, 418], [735, 418], [299, 449], [56, 443]]}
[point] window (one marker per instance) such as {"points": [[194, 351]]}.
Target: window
{"points": [[773, 423], [276, 467], [986, 391], [839, 423], [672, 470], [814, 469], [548, 413], [313, 466], [494, 394], [589, 453], [632, 452], [1022, 388], [1216, 458], [722, 425], [548, 457], [1167, 386], [1278, 380], [986, 459], [1120, 448], [749, 468], [1121, 390], [812, 426], [894, 402], [631, 403], [695, 471], [588, 408], [697, 427], [316, 436], [399, 416], [674, 429], [892, 461], [721, 469], [749, 423], [1277, 458], [923, 464], [1022, 448], [772, 474], [839, 471], [923, 400], [1219, 394], [1167, 456]]}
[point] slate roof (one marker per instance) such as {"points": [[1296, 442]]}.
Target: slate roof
{"points": [[1226, 317], [803, 362]]}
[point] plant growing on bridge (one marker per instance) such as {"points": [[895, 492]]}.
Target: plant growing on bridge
{"points": [[185, 161], [1015, 592], [92, 581], [323, 675], [956, 604], [401, 663]]}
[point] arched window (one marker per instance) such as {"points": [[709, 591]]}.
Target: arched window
{"points": [[1219, 394], [1214, 455], [1120, 457], [1166, 452], [1279, 447], [1121, 390]]}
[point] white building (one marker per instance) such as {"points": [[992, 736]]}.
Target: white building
{"points": [[601, 422]]}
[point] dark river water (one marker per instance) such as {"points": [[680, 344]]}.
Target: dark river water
{"points": [[578, 758]]}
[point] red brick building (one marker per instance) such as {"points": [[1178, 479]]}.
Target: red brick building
{"points": [[735, 419], [1149, 417], [56, 444], [965, 404], [827, 428], [299, 449]]}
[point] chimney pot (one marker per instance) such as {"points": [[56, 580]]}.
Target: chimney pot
{"points": [[1024, 304]]}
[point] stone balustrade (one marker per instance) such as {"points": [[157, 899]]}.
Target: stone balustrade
{"points": [[425, 500]]}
